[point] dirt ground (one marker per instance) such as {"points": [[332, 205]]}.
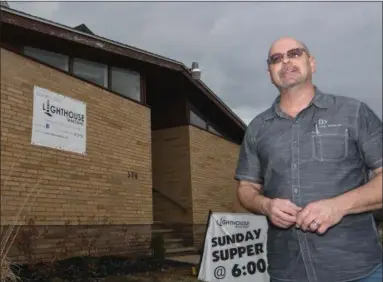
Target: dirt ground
{"points": [[109, 269]]}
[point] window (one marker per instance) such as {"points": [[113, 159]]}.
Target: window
{"points": [[126, 82], [123, 81], [211, 129], [53, 59], [196, 120], [91, 71]]}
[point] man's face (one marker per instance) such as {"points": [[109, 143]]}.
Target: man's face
{"points": [[289, 64]]}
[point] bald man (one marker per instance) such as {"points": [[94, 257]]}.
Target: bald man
{"points": [[304, 163]]}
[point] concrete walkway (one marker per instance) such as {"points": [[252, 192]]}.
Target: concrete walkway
{"points": [[192, 259]]}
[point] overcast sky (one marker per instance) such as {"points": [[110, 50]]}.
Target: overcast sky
{"points": [[231, 40]]}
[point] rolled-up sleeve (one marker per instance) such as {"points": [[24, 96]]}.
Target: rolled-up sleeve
{"points": [[248, 166], [370, 137]]}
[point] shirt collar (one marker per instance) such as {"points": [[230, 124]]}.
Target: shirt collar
{"points": [[320, 100]]}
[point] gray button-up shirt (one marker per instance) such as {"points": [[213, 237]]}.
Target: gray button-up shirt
{"points": [[328, 149]]}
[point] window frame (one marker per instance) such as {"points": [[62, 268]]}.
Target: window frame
{"points": [[32, 48], [140, 78], [201, 117], [86, 61], [70, 71], [208, 124], [212, 129]]}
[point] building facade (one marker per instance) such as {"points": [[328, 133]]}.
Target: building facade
{"points": [[158, 146]]}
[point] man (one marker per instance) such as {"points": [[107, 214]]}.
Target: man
{"points": [[304, 164]]}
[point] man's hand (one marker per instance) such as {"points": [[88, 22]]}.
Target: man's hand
{"points": [[319, 216], [281, 212]]}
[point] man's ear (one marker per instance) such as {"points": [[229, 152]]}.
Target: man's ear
{"points": [[313, 64]]}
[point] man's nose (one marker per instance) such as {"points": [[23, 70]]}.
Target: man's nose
{"points": [[285, 59]]}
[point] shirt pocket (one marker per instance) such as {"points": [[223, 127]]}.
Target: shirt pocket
{"points": [[330, 145]]}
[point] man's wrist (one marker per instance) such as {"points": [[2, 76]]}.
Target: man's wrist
{"points": [[342, 205], [264, 205]]}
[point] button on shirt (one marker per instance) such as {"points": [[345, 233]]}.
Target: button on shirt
{"points": [[326, 151]]}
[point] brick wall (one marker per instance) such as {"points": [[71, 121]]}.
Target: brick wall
{"points": [[92, 188], [56, 242], [213, 162], [171, 175]]}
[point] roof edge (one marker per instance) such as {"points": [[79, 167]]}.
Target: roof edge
{"points": [[216, 99], [23, 14], [182, 67]]}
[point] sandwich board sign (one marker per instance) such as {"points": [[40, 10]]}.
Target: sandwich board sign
{"points": [[235, 248]]}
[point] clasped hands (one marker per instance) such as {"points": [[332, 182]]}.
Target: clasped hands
{"points": [[315, 217]]}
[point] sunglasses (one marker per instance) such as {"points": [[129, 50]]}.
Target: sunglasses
{"points": [[278, 57]]}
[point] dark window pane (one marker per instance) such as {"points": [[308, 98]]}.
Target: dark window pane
{"points": [[91, 71], [196, 120], [126, 82], [213, 130], [53, 59]]}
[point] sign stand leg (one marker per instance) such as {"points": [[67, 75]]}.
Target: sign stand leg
{"points": [[203, 244]]}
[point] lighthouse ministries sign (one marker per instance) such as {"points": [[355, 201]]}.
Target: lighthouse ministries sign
{"points": [[235, 249], [58, 121]]}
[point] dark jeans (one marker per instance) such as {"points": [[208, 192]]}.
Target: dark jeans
{"points": [[376, 276]]}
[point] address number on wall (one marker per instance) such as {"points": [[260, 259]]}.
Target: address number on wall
{"points": [[132, 175], [121, 179]]}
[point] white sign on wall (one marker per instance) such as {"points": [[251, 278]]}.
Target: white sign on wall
{"points": [[235, 249], [58, 121]]}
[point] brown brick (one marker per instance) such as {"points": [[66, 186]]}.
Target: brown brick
{"points": [[118, 140], [171, 175], [191, 168], [213, 161]]}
